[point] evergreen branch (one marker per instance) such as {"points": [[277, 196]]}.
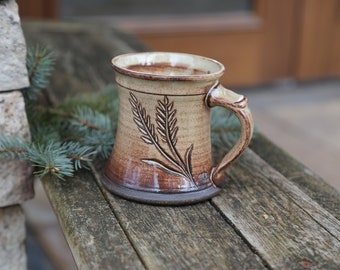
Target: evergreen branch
{"points": [[39, 63], [51, 159], [86, 126], [81, 118], [43, 134], [99, 142], [58, 159], [91, 131], [104, 101], [79, 154], [12, 148], [85, 117]]}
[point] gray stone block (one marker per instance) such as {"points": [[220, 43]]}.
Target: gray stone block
{"points": [[15, 176], [12, 235], [13, 73]]}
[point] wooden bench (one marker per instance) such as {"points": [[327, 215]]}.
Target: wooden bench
{"points": [[274, 212]]}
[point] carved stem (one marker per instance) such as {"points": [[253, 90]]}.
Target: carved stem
{"points": [[171, 145]]}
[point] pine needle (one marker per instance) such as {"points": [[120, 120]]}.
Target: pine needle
{"points": [[51, 159], [39, 62], [12, 148]]}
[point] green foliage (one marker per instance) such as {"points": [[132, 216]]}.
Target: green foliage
{"points": [[12, 148], [39, 63], [91, 128], [51, 158], [73, 136], [60, 159], [64, 138]]}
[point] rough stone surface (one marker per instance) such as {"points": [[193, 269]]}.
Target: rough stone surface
{"points": [[16, 183], [12, 235], [13, 73]]}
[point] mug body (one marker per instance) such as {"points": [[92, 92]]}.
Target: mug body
{"points": [[162, 151]]}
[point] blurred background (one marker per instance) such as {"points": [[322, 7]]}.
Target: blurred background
{"points": [[258, 40], [284, 55]]}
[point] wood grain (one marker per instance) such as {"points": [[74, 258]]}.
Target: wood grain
{"points": [[279, 36], [281, 222], [334, 67], [318, 26], [298, 174], [95, 237], [39, 9]]}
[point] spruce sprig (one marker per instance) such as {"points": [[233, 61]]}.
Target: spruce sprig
{"points": [[56, 158], [39, 62], [91, 128], [51, 159], [12, 148], [83, 118], [64, 138]]}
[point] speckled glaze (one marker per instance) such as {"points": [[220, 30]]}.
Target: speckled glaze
{"points": [[162, 153]]}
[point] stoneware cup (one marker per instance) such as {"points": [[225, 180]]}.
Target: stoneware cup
{"points": [[162, 152]]}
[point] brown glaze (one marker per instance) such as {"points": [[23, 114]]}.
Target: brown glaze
{"points": [[162, 151]]}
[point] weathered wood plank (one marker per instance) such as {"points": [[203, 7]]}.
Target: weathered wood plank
{"points": [[182, 237], [94, 235], [298, 174], [285, 226]]}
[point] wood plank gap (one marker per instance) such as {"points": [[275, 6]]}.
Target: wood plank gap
{"points": [[298, 174], [239, 233], [309, 206], [271, 216], [97, 177]]}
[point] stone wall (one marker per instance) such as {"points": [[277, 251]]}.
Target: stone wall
{"points": [[16, 183]]}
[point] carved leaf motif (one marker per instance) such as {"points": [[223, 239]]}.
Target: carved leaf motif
{"points": [[167, 129], [158, 164], [188, 157], [166, 120], [142, 121]]}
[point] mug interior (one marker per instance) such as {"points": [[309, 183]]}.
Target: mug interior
{"points": [[167, 66]]}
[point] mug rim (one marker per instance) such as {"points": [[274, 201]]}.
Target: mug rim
{"points": [[209, 75]]}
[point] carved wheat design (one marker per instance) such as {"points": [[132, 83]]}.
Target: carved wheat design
{"points": [[167, 130]]}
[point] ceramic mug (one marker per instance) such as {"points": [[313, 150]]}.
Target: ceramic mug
{"points": [[162, 151]]}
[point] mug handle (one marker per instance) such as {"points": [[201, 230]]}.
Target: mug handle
{"points": [[238, 105]]}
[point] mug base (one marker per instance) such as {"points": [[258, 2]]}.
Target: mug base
{"points": [[160, 198]]}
